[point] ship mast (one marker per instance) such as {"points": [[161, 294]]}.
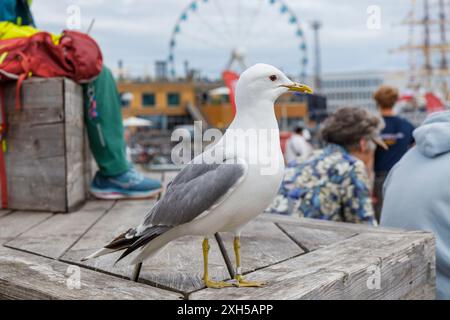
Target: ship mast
{"points": [[434, 73]]}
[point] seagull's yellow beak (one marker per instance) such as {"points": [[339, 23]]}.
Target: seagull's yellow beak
{"points": [[298, 87]]}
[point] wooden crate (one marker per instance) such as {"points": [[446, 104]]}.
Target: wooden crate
{"points": [[47, 155]]}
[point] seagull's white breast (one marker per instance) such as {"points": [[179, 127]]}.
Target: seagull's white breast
{"points": [[252, 196]]}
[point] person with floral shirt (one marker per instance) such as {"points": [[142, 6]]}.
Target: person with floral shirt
{"points": [[333, 183]]}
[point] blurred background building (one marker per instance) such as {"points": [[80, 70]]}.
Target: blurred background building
{"points": [[357, 88], [212, 41]]}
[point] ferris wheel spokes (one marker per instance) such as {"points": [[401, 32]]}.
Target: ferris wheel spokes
{"points": [[220, 34], [254, 18], [221, 13], [204, 41], [236, 30]]}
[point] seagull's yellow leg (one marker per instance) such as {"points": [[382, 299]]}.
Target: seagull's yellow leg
{"points": [[240, 282], [209, 283]]}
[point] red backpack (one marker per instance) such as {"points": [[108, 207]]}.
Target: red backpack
{"points": [[77, 56]]}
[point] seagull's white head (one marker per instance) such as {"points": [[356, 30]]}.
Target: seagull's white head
{"points": [[265, 82]]}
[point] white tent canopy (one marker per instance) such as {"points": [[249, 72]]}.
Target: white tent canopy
{"points": [[219, 91], [136, 122]]}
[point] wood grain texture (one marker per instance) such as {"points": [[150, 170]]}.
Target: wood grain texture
{"points": [[342, 271], [178, 266], [42, 101], [43, 162], [425, 292], [262, 244], [326, 225], [74, 145], [4, 212], [27, 276], [54, 236], [18, 222], [313, 238], [124, 215]]}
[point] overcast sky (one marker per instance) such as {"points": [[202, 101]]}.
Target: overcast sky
{"points": [[138, 32]]}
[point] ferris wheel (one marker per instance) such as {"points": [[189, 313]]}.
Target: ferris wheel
{"points": [[214, 35]]}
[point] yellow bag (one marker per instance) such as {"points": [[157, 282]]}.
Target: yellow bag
{"points": [[9, 30]]}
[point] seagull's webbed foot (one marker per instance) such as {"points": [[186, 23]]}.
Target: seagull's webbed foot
{"points": [[239, 281], [217, 284], [209, 283], [242, 283]]}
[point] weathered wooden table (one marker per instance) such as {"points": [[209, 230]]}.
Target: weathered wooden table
{"points": [[300, 258]]}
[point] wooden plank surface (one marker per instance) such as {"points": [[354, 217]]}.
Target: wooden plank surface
{"points": [[425, 292], [4, 212], [18, 222], [178, 266], [342, 271], [124, 215], [54, 236], [27, 276], [335, 266], [262, 244], [326, 225], [313, 238]]}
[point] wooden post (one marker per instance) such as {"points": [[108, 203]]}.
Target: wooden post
{"points": [[136, 272], [225, 255]]}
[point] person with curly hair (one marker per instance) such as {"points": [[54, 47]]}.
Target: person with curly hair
{"points": [[333, 183]]}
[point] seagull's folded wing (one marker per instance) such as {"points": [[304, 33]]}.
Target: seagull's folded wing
{"points": [[196, 189]]}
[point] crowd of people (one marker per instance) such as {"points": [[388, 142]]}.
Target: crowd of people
{"points": [[343, 181], [376, 169]]}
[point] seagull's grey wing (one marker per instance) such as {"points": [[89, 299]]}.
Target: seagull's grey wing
{"points": [[196, 189]]}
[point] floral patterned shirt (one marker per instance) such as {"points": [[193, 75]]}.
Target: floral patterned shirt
{"points": [[329, 185]]}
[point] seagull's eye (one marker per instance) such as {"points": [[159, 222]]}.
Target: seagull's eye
{"points": [[273, 78]]}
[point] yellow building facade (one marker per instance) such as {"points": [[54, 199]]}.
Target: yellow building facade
{"points": [[176, 100], [157, 98]]}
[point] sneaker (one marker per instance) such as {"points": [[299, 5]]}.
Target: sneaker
{"points": [[129, 185]]}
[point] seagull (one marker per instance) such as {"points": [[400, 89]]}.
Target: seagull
{"points": [[227, 185]]}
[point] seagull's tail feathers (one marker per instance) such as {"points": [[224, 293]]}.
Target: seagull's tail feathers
{"points": [[156, 245], [148, 235], [98, 253], [121, 242]]}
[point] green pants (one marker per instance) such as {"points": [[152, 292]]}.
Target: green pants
{"points": [[104, 124]]}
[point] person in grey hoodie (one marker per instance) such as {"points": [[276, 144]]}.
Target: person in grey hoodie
{"points": [[417, 192]]}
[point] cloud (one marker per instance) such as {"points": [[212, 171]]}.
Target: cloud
{"points": [[138, 31]]}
